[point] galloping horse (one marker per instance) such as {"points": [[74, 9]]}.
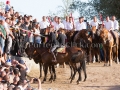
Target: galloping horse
{"points": [[108, 44]]}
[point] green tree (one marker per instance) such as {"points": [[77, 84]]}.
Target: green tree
{"points": [[65, 10], [107, 7], [85, 9]]}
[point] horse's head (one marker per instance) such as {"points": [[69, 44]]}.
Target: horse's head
{"points": [[104, 35], [84, 35], [69, 35], [29, 49]]}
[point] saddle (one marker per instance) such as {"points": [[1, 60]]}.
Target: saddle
{"points": [[61, 50]]}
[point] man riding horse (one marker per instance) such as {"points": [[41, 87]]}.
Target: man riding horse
{"points": [[56, 41]]}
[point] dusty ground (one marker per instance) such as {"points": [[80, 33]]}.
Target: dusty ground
{"points": [[99, 78]]}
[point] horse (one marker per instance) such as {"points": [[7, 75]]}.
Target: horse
{"points": [[108, 45], [83, 39], [96, 43], [47, 58], [78, 63], [30, 50]]}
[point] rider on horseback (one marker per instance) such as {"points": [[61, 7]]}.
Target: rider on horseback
{"points": [[57, 41]]}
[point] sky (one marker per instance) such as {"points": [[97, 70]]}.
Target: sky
{"points": [[37, 8]]}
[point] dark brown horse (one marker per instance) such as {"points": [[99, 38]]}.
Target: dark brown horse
{"points": [[83, 39], [96, 43], [47, 58], [30, 50]]}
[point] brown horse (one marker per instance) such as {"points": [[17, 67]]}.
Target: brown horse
{"points": [[108, 44], [30, 50], [83, 40], [95, 44], [46, 58]]}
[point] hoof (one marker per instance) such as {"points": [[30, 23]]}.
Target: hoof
{"points": [[71, 81], [51, 81], [78, 82], [42, 82], [84, 80]]}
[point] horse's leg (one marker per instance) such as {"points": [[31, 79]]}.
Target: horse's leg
{"points": [[79, 77], [117, 54], [73, 74], [71, 71], [64, 65], [110, 56], [105, 62], [40, 65], [84, 69], [45, 72], [53, 69], [50, 70]]}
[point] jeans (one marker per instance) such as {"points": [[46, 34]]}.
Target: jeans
{"points": [[38, 39], [54, 47], [2, 43]]}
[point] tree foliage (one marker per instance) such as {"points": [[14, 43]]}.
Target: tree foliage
{"points": [[107, 7], [85, 9], [64, 10]]}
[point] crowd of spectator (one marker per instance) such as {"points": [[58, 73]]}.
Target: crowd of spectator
{"points": [[13, 73]]}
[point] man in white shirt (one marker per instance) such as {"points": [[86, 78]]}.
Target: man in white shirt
{"points": [[43, 24], [79, 25], [115, 22], [109, 25], [94, 22], [70, 24], [85, 24], [54, 23], [65, 22], [59, 25]]}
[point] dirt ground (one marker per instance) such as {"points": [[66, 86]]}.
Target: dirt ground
{"points": [[99, 78]]}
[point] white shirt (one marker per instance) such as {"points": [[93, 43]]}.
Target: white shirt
{"points": [[44, 24], [79, 26], [108, 25], [69, 25], [94, 24], [65, 24], [7, 28], [54, 24], [84, 25], [37, 31], [58, 26], [116, 25]]}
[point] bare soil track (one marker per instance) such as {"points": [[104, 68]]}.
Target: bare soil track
{"points": [[99, 78]]}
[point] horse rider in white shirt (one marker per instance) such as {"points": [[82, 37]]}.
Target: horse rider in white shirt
{"points": [[109, 25], [65, 22], [94, 22], [78, 26], [59, 25], [43, 24], [85, 24], [70, 24], [116, 24], [54, 23]]}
